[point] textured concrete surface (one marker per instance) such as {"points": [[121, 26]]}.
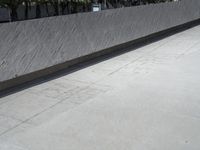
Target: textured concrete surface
{"points": [[30, 46], [146, 99]]}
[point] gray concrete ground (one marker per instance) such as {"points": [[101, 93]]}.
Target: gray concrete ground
{"points": [[146, 99]]}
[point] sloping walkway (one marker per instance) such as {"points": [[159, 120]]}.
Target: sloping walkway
{"points": [[145, 99]]}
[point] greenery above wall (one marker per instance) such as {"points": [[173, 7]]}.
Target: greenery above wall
{"points": [[63, 7]]}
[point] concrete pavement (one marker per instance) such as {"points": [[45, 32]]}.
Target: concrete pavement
{"points": [[145, 99]]}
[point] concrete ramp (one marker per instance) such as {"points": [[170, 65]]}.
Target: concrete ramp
{"points": [[146, 99]]}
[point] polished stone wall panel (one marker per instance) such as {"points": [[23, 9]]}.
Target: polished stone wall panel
{"points": [[33, 45]]}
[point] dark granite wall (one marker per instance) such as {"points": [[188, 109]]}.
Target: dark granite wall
{"points": [[4, 15], [33, 45]]}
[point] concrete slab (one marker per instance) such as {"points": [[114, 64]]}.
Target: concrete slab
{"points": [[6, 123], [145, 99], [26, 106]]}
